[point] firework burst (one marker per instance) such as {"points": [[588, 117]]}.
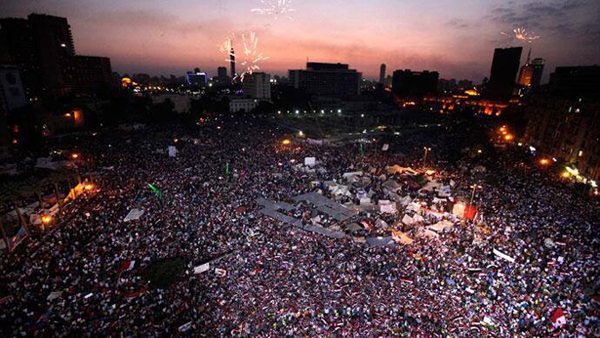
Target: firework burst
{"points": [[521, 34], [275, 8], [250, 58]]}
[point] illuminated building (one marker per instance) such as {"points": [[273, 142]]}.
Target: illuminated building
{"points": [[505, 66], [327, 80], [197, 78], [257, 86], [414, 84], [531, 72], [566, 123]]}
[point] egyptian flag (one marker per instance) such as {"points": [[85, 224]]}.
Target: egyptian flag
{"points": [[406, 280], [127, 265], [558, 319]]}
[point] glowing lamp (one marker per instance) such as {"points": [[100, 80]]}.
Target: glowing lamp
{"points": [[544, 161], [75, 156], [286, 142], [46, 219], [89, 187]]}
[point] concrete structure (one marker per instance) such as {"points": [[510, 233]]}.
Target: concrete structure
{"points": [[414, 84], [242, 105], [257, 86], [505, 67], [327, 79]]}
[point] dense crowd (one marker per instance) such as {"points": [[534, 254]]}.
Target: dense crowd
{"points": [[278, 280]]}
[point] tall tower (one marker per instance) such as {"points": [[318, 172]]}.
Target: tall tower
{"points": [[382, 74], [232, 54], [505, 67]]}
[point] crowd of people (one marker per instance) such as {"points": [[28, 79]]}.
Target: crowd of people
{"points": [[87, 277]]}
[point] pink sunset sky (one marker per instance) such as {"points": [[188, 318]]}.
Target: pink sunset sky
{"points": [[456, 38]]}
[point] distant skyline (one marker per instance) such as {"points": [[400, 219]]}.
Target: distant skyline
{"points": [[455, 38]]}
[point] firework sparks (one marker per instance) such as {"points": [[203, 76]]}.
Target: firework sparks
{"points": [[521, 34], [275, 8], [251, 57]]}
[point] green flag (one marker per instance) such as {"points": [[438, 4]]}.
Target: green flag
{"points": [[227, 169]]}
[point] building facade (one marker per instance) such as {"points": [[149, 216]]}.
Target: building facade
{"points": [[566, 129], [505, 67], [414, 84], [327, 80], [11, 88], [257, 86]]}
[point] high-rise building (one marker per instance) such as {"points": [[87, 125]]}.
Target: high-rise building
{"points": [[526, 72], [568, 129], [334, 80], [232, 63], [257, 86], [222, 71], [576, 82], [505, 67], [382, 74], [565, 123], [409, 83], [41, 46]]}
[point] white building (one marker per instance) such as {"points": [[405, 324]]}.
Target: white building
{"points": [[242, 105], [257, 86]]}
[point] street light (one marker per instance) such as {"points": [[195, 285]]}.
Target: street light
{"points": [[426, 151], [474, 186]]}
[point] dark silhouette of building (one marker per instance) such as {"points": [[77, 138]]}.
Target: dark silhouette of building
{"points": [[538, 71], [576, 82], [382, 74], [334, 80], [41, 46], [222, 77], [505, 67], [414, 84]]}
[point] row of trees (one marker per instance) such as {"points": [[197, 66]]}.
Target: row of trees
{"points": [[15, 191]]}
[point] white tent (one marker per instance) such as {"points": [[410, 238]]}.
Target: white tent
{"points": [[407, 220], [441, 226], [133, 215]]}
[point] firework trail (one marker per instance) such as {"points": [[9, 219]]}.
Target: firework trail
{"points": [[521, 34], [275, 8], [250, 58]]}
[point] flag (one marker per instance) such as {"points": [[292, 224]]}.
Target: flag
{"points": [[227, 169], [406, 280], [127, 265], [221, 272], [558, 318], [185, 327]]}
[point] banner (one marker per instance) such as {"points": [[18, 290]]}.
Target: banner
{"points": [[310, 161], [172, 151], [504, 256], [201, 268]]}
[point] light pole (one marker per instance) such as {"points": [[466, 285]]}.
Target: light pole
{"points": [[475, 186], [427, 150]]}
